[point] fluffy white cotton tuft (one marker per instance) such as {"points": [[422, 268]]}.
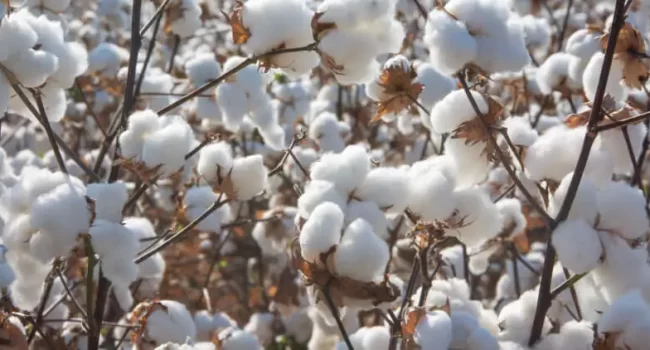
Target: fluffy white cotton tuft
{"points": [[578, 245], [109, 200], [361, 254], [249, 176], [622, 210], [321, 231]]}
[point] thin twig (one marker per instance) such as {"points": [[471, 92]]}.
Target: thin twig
{"points": [[337, 316], [42, 118]]}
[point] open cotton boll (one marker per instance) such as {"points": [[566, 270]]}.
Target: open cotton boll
{"points": [[481, 217], [537, 31], [584, 43], [361, 254], [584, 206], [520, 132], [117, 246], [513, 217], [189, 20], [615, 144], [317, 192], [591, 78], [629, 317], [434, 331], [236, 339], [140, 124], [248, 176], [215, 159], [109, 200], [450, 44], [106, 58], [388, 187], [346, 170], [173, 323], [454, 109], [167, 146], [578, 245], [470, 158], [515, 320], [370, 212], [321, 231], [197, 200], [202, 68], [431, 195], [262, 19], [622, 210], [554, 72], [436, 86], [325, 130]]}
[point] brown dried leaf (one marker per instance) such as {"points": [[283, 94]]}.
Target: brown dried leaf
{"points": [[608, 342], [240, 34], [11, 338], [330, 63], [399, 90], [577, 120], [173, 12], [629, 45], [225, 185], [411, 320]]}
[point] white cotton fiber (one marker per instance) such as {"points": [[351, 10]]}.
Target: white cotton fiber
{"points": [[622, 210], [370, 212], [346, 170], [388, 187], [249, 176], [361, 254], [578, 245], [317, 192], [109, 200], [321, 231]]}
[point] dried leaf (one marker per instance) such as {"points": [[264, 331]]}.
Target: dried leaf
{"points": [[399, 90], [608, 342], [330, 63], [240, 34], [411, 320], [577, 120], [11, 338], [629, 49], [320, 29]]}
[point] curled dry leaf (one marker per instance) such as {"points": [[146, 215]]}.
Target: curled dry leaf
{"points": [[475, 130], [400, 91], [11, 338], [224, 184], [608, 342], [139, 316], [630, 50], [339, 286], [240, 34]]}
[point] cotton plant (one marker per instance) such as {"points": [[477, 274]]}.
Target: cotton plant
{"points": [[478, 33], [351, 34], [182, 17], [201, 69], [262, 28], [156, 146]]}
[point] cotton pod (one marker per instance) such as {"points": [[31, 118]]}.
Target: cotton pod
{"points": [[388, 187], [575, 335], [184, 17], [266, 30], [553, 74], [520, 132], [317, 192], [583, 43], [116, 246], [478, 217], [169, 322], [109, 200], [436, 87], [513, 217], [353, 33], [434, 331], [578, 245], [106, 58], [361, 254], [214, 160], [249, 176], [176, 137], [431, 195], [614, 142], [629, 318], [371, 213], [454, 109], [584, 205], [591, 77], [236, 339], [346, 170], [327, 132], [59, 216], [241, 93], [515, 321], [321, 231], [622, 211]]}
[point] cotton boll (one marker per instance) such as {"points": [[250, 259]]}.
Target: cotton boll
{"points": [[116, 246], [613, 142], [520, 132], [583, 43], [554, 71], [536, 30], [109, 200], [629, 315], [622, 210], [32, 68], [436, 86], [236, 339], [202, 68], [434, 331], [321, 231], [513, 217], [346, 170], [431, 196], [455, 109], [578, 245], [189, 21], [248, 176], [106, 58], [173, 323], [215, 159], [450, 44], [326, 131], [197, 200], [480, 216], [371, 213], [317, 192], [584, 204], [387, 187], [515, 321], [591, 78], [175, 139], [274, 136], [361, 254]]}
